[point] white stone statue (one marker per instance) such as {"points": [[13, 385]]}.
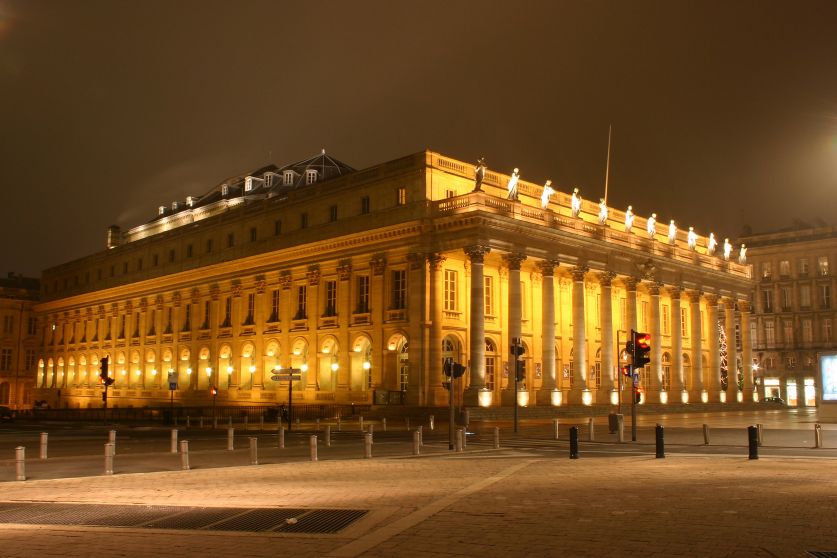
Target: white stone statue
{"points": [[479, 174], [672, 232], [651, 226], [692, 238], [602, 211], [742, 254], [512, 187], [711, 244], [629, 218], [576, 202], [727, 249], [547, 191]]}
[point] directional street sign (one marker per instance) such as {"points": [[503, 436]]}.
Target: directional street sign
{"points": [[172, 378], [287, 375], [172, 386]]}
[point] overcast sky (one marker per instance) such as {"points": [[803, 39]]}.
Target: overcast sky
{"points": [[724, 113]]}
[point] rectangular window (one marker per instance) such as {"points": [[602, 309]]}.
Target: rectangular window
{"points": [[230, 240], [5, 359], [805, 296], [803, 267], [275, 295], [171, 258], [822, 266], [489, 295], [450, 193], [251, 309], [277, 227], [8, 324], [767, 270], [332, 213], [786, 299], [227, 312], [623, 313], [666, 320], [401, 196], [310, 176], [807, 331], [301, 302], [399, 289], [363, 294], [767, 301], [303, 221], [254, 234], [188, 250], [364, 205], [330, 298], [769, 333], [787, 331], [30, 359], [31, 325], [208, 245], [207, 314], [187, 317], [155, 261], [684, 322], [450, 290], [825, 296], [784, 268], [826, 330]]}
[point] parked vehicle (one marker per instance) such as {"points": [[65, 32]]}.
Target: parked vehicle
{"points": [[6, 414]]}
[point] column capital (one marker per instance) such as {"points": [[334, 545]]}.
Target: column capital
{"points": [[260, 285], [578, 272], [416, 260], [378, 264], [477, 252], [313, 276], [675, 291], [606, 278], [436, 261], [547, 267], [729, 303], [712, 299], [654, 288], [745, 306], [284, 281], [631, 283], [514, 260], [694, 296], [344, 271]]}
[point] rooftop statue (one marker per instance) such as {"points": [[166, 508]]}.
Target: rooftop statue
{"points": [[576, 202], [629, 218], [479, 174], [512, 186], [547, 191], [651, 226]]}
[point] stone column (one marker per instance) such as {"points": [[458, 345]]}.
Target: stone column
{"points": [[655, 388], [630, 302], [746, 351], [678, 383], [548, 383], [312, 310], [476, 332], [732, 351], [697, 387], [579, 337], [713, 383], [258, 319], [437, 395], [608, 364], [344, 310], [515, 314]]}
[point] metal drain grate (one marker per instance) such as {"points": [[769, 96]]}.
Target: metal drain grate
{"points": [[822, 554], [181, 517]]}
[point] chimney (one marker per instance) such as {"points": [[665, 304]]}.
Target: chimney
{"points": [[114, 236]]}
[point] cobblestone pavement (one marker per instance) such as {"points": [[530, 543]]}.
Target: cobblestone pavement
{"points": [[506, 502]]}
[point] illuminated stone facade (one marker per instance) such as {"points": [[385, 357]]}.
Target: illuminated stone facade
{"points": [[369, 280], [19, 340], [794, 312]]}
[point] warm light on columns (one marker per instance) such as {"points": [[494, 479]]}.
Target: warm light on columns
{"points": [[484, 398], [684, 396], [334, 366], [663, 397], [557, 398], [723, 397], [523, 398], [614, 397], [587, 397], [367, 365], [304, 367], [704, 396]]}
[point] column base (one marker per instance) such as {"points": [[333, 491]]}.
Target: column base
{"points": [[606, 397], [549, 397], [580, 397], [438, 397], [477, 397]]}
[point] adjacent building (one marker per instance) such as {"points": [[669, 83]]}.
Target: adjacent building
{"points": [[368, 281], [794, 308], [19, 340]]}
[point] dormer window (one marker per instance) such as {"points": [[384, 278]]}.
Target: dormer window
{"points": [[288, 178], [174, 206], [190, 201], [268, 179], [161, 210], [225, 190], [248, 184], [310, 176]]}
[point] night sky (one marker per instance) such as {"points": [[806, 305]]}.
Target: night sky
{"points": [[724, 113]]}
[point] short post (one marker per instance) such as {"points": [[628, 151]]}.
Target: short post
{"points": [[254, 450], [371, 428], [659, 435], [278, 421], [20, 463], [457, 441], [188, 422], [312, 442], [173, 440], [214, 423], [760, 429], [555, 427], [360, 422], [184, 455], [818, 435], [496, 437], [261, 423], [328, 435], [200, 424], [109, 458], [420, 430], [462, 439], [753, 440], [317, 422], [339, 424], [591, 435], [367, 446], [229, 421], [281, 437], [384, 424], [620, 428], [705, 434], [573, 442], [432, 422], [44, 440], [466, 416], [416, 443], [112, 440], [230, 439]]}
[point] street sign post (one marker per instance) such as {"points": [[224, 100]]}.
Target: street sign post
{"points": [[289, 375]]}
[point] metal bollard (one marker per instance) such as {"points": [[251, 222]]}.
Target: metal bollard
{"points": [[457, 441], [229, 422], [590, 432], [371, 428], [254, 450], [20, 463], [360, 422], [555, 426], [467, 417], [328, 435], [339, 425], [312, 442], [753, 440], [230, 439], [620, 428], [818, 435], [281, 438], [44, 439], [496, 437], [188, 422], [384, 424], [184, 455], [174, 440], [109, 451], [416, 443], [318, 425], [367, 446], [462, 439], [705, 434], [112, 440], [659, 435], [759, 429], [278, 421], [420, 430], [432, 422], [573, 442], [261, 423], [201, 423]]}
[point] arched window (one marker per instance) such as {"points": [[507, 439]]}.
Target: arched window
{"points": [[687, 370], [666, 372], [490, 363]]}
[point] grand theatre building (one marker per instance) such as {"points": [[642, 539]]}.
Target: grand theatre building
{"points": [[369, 281]]}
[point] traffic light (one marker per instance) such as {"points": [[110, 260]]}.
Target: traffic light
{"points": [[448, 367], [521, 375], [213, 390], [637, 395], [626, 370], [642, 348], [453, 369], [103, 367], [517, 349]]}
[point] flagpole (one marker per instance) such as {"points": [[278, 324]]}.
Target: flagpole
{"points": [[607, 168]]}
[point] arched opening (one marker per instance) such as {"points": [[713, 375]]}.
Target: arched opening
{"points": [[596, 371], [247, 366], [299, 360], [184, 370], [59, 376], [328, 366], [396, 373], [71, 372], [152, 374], [360, 364], [490, 364], [272, 362], [206, 372], [226, 367], [136, 378]]}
